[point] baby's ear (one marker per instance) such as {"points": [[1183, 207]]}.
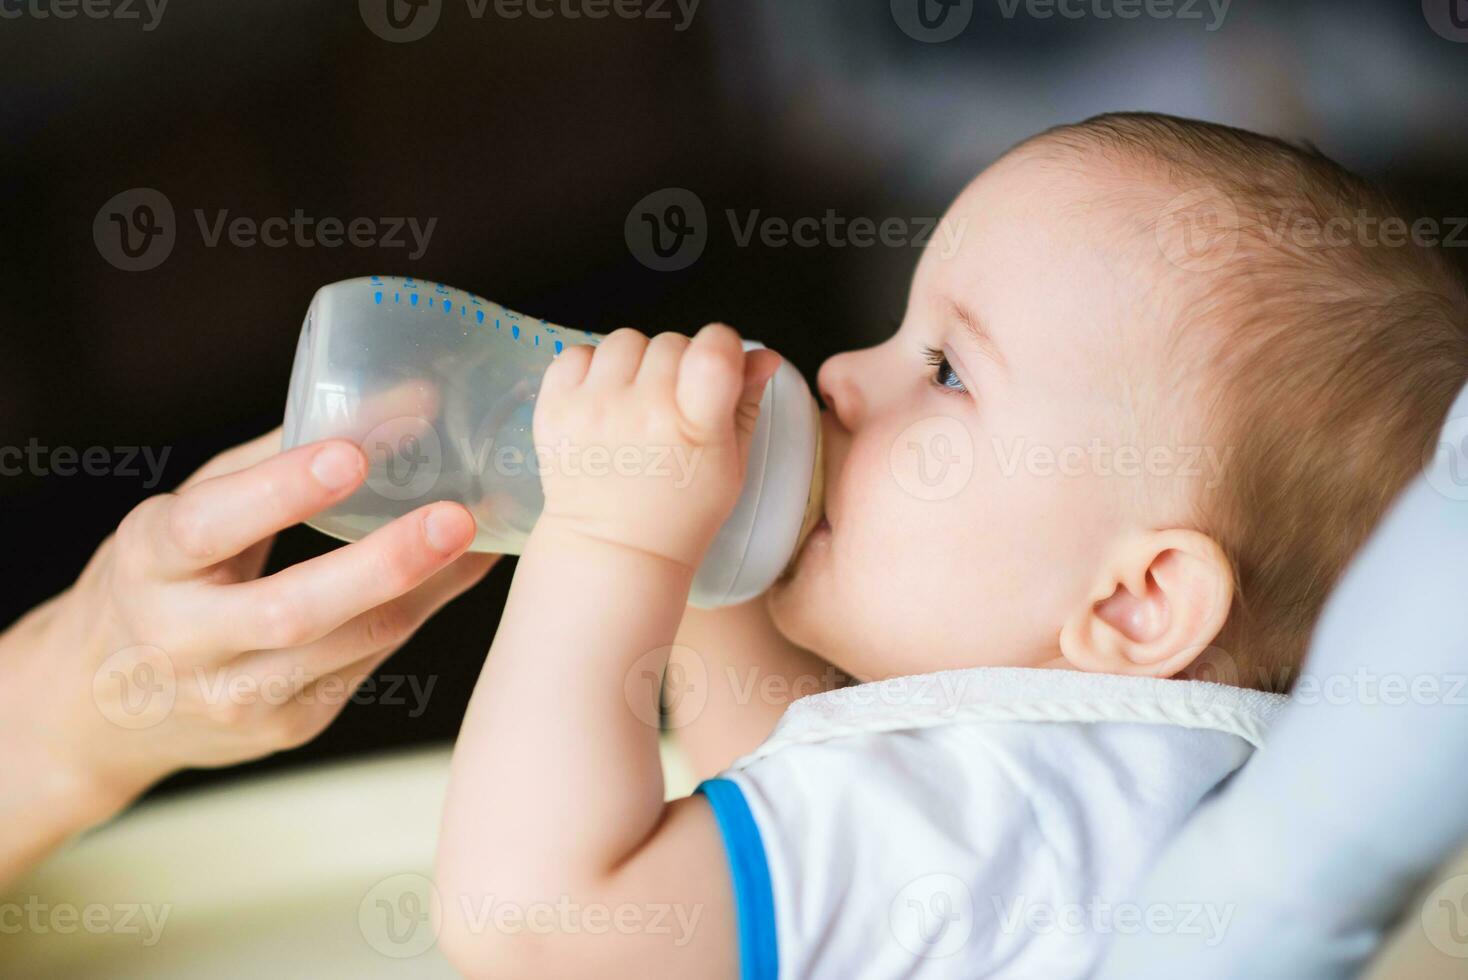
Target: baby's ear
{"points": [[1160, 601]]}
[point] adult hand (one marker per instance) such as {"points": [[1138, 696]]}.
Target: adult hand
{"points": [[171, 651]]}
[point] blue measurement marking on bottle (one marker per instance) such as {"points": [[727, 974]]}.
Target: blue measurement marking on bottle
{"points": [[377, 297], [448, 308]]}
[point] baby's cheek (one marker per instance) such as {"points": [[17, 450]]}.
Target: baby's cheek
{"points": [[929, 479], [931, 459], [893, 529]]}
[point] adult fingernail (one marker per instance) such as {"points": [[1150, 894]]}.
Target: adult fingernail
{"points": [[446, 528], [336, 466]]}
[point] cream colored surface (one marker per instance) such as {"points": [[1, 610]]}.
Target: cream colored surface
{"points": [[297, 876], [1430, 942], [282, 876]]}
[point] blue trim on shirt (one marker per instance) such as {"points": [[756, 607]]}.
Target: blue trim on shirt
{"points": [[754, 899]]}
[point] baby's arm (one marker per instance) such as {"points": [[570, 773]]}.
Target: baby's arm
{"points": [[555, 814]]}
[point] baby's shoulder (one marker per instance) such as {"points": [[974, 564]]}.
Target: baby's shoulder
{"points": [[882, 809]]}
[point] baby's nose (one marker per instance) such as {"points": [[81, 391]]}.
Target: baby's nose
{"points": [[837, 384]]}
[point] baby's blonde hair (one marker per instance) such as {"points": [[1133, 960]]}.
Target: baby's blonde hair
{"points": [[1330, 359]]}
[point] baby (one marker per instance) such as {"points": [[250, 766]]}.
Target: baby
{"points": [[1128, 433]]}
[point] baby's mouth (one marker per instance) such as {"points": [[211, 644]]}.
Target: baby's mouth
{"points": [[817, 529], [819, 534]]}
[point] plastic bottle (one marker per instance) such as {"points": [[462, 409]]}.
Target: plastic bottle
{"points": [[438, 386]]}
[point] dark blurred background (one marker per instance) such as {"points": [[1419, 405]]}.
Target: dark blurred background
{"points": [[530, 139]]}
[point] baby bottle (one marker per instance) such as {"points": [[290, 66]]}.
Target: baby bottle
{"points": [[438, 387]]}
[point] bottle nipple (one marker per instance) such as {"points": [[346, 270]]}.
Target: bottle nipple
{"points": [[815, 504]]}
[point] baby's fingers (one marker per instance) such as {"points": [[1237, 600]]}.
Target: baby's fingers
{"points": [[759, 367], [719, 383], [711, 379], [617, 358], [659, 369]]}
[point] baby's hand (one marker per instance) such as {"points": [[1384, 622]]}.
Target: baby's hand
{"points": [[643, 443]]}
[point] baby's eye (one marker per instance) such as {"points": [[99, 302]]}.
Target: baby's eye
{"points": [[944, 377]]}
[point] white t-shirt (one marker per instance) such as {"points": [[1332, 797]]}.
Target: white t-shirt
{"points": [[990, 822]]}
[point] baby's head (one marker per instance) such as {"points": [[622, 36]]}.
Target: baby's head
{"points": [[1147, 407]]}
